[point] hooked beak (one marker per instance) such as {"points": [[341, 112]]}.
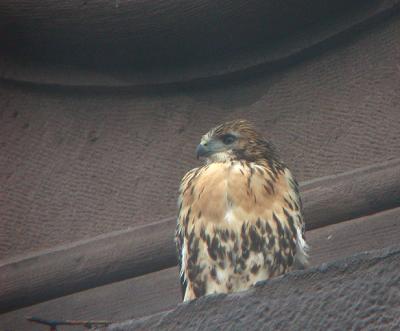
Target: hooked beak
{"points": [[202, 150]]}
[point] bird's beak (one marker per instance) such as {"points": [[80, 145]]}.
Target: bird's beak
{"points": [[202, 150]]}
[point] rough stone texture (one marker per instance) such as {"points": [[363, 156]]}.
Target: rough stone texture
{"points": [[77, 163], [358, 293]]}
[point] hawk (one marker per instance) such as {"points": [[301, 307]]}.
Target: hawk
{"points": [[240, 214]]}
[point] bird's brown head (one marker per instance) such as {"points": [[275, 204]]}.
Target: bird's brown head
{"points": [[235, 140]]}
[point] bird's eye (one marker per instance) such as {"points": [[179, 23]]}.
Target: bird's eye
{"points": [[228, 139]]}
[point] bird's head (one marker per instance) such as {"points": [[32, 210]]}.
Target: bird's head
{"points": [[235, 140]]}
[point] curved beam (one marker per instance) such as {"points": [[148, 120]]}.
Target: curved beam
{"points": [[66, 60]]}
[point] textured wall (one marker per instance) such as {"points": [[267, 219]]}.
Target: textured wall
{"points": [[75, 163]]}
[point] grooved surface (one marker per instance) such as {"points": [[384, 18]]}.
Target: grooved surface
{"points": [[140, 296], [86, 264], [358, 293], [337, 241], [76, 164], [119, 301]]}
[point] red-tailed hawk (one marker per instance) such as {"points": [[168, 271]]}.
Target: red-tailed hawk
{"points": [[240, 215]]}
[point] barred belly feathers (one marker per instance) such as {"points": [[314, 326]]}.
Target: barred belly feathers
{"points": [[240, 215]]}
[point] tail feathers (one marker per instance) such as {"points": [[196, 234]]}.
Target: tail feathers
{"points": [[302, 249]]}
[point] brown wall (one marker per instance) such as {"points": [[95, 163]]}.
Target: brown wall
{"points": [[76, 164]]}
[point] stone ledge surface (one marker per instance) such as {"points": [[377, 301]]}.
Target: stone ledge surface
{"points": [[361, 292]]}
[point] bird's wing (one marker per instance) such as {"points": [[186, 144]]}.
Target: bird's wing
{"points": [[181, 229], [294, 211], [179, 241]]}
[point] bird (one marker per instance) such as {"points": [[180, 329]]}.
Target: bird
{"points": [[240, 218]]}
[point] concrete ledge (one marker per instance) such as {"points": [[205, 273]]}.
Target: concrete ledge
{"points": [[360, 293]]}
